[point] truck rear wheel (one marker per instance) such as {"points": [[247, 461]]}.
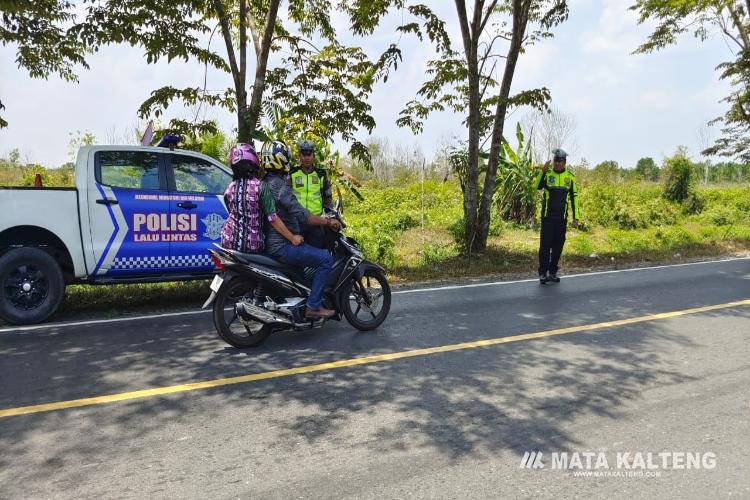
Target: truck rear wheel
{"points": [[32, 286]]}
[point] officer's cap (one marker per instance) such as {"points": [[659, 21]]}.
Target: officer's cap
{"points": [[559, 154], [306, 146]]}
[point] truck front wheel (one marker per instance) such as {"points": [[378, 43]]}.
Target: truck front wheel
{"points": [[32, 286]]}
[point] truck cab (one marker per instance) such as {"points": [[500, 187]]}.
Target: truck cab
{"points": [[137, 214]]}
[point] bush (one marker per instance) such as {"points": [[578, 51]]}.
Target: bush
{"points": [[679, 179], [626, 206], [720, 216], [432, 254], [693, 204]]}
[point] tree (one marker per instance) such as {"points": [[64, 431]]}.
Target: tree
{"points": [[14, 156], [608, 171], [703, 136], [45, 35], [77, 140], [732, 19], [551, 129], [465, 82], [679, 176], [647, 170], [325, 86]]}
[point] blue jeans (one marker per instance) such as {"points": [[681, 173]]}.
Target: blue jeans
{"points": [[303, 256]]}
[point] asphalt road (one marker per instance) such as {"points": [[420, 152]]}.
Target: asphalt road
{"points": [[452, 424]]}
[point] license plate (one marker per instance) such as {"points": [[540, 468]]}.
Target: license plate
{"points": [[216, 283]]}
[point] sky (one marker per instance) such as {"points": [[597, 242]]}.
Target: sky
{"points": [[626, 106]]}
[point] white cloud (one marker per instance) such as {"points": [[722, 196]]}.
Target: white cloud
{"points": [[617, 30], [657, 99]]}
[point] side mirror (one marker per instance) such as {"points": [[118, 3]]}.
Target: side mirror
{"points": [[338, 205]]}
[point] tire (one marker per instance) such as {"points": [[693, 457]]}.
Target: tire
{"points": [[234, 332], [353, 302], [31, 286]]}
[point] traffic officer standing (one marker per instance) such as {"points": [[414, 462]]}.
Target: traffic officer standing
{"points": [[312, 189], [560, 191]]}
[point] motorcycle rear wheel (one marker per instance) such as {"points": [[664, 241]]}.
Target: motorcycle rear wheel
{"points": [[230, 327]]}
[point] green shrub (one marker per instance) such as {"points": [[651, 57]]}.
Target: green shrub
{"points": [[693, 204], [432, 253], [626, 206], [679, 178], [720, 216]]}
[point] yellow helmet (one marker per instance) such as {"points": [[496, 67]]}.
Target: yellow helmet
{"points": [[275, 156]]}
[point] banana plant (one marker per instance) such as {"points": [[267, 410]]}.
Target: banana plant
{"points": [[515, 196]]}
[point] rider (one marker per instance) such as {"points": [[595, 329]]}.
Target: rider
{"points": [[312, 189], [275, 156], [248, 200]]}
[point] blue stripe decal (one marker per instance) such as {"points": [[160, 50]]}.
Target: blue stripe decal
{"points": [[112, 236]]}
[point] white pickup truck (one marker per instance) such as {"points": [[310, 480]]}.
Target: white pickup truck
{"points": [[137, 214]]}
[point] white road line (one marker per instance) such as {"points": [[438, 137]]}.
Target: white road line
{"points": [[580, 275], [101, 321], [398, 292]]}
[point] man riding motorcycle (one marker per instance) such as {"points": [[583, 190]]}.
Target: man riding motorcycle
{"points": [[275, 159]]}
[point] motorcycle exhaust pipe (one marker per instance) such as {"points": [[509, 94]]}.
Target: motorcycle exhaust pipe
{"points": [[260, 314]]}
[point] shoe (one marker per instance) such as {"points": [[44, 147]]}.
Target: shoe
{"points": [[543, 279], [319, 313], [553, 278]]}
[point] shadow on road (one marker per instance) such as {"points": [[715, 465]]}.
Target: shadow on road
{"points": [[515, 397]]}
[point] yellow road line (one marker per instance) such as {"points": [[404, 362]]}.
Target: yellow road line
{"points": [[366, 360]]}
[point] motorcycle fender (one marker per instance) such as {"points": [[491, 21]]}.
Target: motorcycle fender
{"points": [[365, 266], [210, 300], [358, 273], [227, 276]]}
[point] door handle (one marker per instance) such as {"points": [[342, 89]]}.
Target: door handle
{"points": [[187, 205], [106, 201]]}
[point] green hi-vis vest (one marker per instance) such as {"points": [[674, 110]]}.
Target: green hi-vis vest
{"points": [[560, 192], [308, 188]]}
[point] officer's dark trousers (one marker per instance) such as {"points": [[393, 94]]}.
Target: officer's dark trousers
{"points": [[551, 244]]}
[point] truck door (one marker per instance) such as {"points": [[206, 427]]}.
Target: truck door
{"points": [[197, 202], [129, 214]]}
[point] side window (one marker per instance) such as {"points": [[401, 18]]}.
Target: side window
{"points": [[194, 175], [129, 169]]}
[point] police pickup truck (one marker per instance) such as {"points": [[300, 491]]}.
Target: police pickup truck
{"points": [[137, 214]]}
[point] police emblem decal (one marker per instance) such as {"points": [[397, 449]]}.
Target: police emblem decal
{"points": [[214, 223]]}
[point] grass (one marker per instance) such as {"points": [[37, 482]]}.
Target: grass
{"points": [[515, 251], [411, 230]]}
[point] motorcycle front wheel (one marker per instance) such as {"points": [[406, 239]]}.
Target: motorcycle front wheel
{"points": [[367, 300], [231, 327]]}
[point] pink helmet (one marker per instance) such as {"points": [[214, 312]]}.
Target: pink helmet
{"points": [[243, 151]]}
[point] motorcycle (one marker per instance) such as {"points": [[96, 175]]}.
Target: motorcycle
{"points": [[255, 295]]}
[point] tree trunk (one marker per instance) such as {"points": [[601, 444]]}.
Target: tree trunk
{"points": [[252, 114], [470, 34], [520, 21]]}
